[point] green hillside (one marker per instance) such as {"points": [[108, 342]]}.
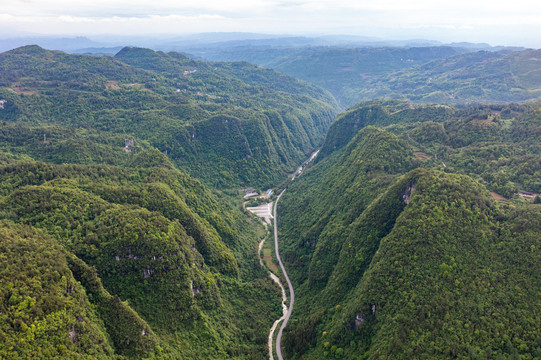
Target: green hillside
{"points": [[496, 144], [46, 312], [480, 77], [444, 75], [398, 250], [264, 122], [379, 113], [110, 247], [342, 71], [157, 239]]}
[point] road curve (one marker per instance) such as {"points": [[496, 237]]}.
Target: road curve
{"points": [[291, 292]]}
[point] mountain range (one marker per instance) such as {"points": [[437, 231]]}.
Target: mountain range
{"points": [[414, 233]]}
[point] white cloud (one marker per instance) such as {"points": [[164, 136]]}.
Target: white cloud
{"points": [[364, 17]]}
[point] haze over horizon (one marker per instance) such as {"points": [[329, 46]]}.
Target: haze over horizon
{"points": [[494, 22]]}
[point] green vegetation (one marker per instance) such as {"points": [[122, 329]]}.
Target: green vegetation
{"points": [[45, 311], [227, 124], [395, 255], [342, 71], [122, 235], [496, 144], [444, 75], [183, 259], [379, 113], [108, 249], [479, 77]]}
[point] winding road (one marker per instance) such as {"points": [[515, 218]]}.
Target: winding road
{"points": [[265, 212], [291, 292]]}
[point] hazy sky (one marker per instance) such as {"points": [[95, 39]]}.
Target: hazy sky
{"points": [[498, 22]]}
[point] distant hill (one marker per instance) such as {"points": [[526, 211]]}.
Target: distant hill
{"points": [[357, 69], [455, 74], [98, 51], [183, 43], [336, 69], [479, 77], [49, 42]]}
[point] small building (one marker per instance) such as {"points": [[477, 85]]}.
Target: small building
{"points": [[251, 194], [527, 194]]}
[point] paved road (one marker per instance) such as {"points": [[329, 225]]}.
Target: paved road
{"points": [[291, 292]]}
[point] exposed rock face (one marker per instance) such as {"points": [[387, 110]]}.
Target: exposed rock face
{"points": [[73, 335], [195, 291], [148, 273], [406, 195], [359, 318]]}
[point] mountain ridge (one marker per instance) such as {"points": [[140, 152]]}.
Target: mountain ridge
{"points": [[383, 244]]}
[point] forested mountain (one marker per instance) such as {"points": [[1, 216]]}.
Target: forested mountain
{"points": [[415, 234], [479, 77], [398, 249], [442, 74], [109, 247], [227, 124], [130, 261], [341, 70]]}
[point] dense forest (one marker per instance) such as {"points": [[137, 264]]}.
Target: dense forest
{"points": [[110, 247], [229, 125], [399, 249], [415, 233], [140, 261]]}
